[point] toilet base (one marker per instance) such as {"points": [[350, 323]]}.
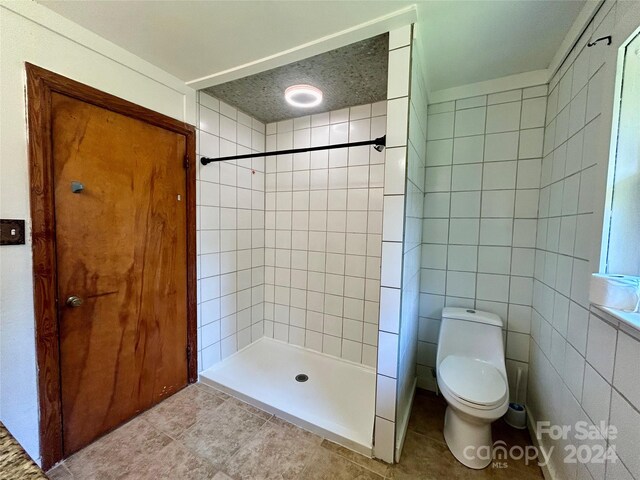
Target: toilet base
{"points": [[469, 439]]}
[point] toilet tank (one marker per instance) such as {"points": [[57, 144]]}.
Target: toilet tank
{"points": [[471, 333]]}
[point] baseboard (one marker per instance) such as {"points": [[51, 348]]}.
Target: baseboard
{"points": [[404, 425]]}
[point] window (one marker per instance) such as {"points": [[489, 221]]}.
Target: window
{"points": [[622, 237]]}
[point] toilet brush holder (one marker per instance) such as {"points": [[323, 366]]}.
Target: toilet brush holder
{"points": [[516, 416]]}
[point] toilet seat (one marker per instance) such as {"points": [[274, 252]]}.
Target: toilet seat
{"points": [[474, 382]]}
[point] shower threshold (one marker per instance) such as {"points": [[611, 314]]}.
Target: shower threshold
{"points": [[336, 400]]}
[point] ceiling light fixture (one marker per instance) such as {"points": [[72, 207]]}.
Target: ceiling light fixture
{"points": [[303, 96]]}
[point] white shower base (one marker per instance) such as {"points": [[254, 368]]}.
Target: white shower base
{"points": [[337, 402]]}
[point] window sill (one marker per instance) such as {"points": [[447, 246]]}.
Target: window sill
{"points": [[628, 319]]}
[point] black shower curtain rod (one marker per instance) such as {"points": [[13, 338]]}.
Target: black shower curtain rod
{"points": [[379, 144]]}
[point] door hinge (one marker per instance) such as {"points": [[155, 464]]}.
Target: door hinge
{"points": [[188, 352], [186, 163]]}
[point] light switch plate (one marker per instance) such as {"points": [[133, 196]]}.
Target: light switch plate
{"points": [[11, 232]]}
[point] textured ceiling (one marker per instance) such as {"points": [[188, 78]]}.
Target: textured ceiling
{"points": [[348, 76]]}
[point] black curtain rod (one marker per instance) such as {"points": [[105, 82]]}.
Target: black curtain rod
{"points": [[379, 144]]}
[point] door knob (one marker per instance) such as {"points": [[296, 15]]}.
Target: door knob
{"points": [[74, 301]]}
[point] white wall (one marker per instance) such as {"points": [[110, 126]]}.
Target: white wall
{"points": [[583, 363], [480, 208], [230, 216], [31, 33]]}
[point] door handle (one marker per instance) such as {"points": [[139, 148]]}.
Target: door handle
{"points": [[74, 301]]}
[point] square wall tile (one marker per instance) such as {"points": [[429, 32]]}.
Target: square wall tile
{"points": [[499, 175], [386, 397], [461, 284], [601, 346], [397, 121], [390, 309], [466, 177], [470, 121], [533, 112], [595, 396], [439, 152], [395, 171], [627, 421], [501, 146], [518, 346], [625, 377], [388, 354], [440, 126], [398, 72], [393, 218], [391, 264], [503, 117], [465, 149], [384, 440], [400, 37]]}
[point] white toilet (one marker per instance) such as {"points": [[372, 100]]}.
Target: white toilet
{"points": [[473, 380]]}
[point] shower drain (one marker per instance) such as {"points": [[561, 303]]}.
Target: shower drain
{"points": [[302, 377]]}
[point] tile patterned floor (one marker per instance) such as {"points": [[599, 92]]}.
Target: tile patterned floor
{"points": [[201, 433]]}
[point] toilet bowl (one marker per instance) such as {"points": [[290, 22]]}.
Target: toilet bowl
{"points": [[473, 380]]}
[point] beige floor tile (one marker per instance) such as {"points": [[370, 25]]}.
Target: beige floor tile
{"points": [[59, 472], [278, 451], [222, 476], [210, 389], [428, 459], [222, 438], [218, 436], [249, 408], [326, 465], [172, 462], [114, 454], [182, 410], [427, 418], [376, 466], [427, 415]]}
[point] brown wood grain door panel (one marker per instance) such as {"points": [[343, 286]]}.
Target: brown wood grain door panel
{"points": [[154, 359], [121, 247]]}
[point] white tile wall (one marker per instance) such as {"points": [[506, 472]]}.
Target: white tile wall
{"points": [[583, 364], [323, 233], [230, 223], [400, 242], [482, 180], [411, 260]]}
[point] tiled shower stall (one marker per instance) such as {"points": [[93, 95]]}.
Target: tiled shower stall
{"points": [[314, 249]]}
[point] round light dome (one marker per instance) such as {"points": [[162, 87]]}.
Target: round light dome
{"points": [[303, 96]]}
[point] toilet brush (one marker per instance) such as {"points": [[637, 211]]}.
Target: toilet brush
{"points": [[516, 415]]}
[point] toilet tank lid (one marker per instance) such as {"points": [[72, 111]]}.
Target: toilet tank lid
{"points": [[472, 315]]}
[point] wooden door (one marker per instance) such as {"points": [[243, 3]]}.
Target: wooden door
{"points": [[121, 249]]}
